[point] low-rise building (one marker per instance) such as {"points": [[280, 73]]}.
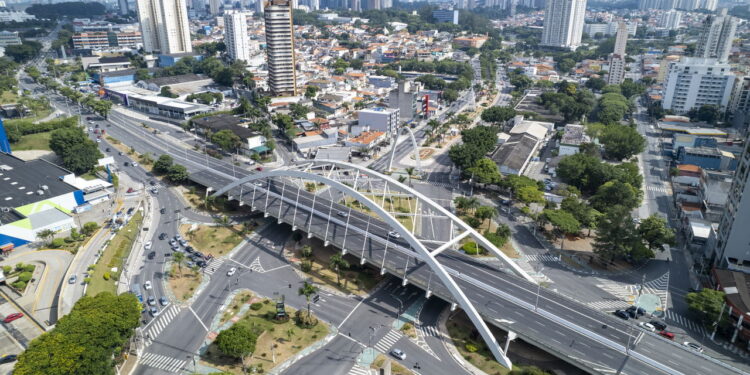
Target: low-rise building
{"points": [[9, 38], [365, 143], [707, 158], [514, 155], [253, 142], [572, 138], [311, 141], [378, 119]]}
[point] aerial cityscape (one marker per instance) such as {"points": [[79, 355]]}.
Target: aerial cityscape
{"points": [[372, 187]]}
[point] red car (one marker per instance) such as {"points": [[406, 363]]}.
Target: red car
{"points": [[667, 334], [259, 169], [12, 317]]}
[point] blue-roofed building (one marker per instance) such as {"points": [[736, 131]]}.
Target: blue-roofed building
{"points": [[707, 158]]}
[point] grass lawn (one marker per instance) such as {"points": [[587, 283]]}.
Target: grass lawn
{"points": [[357, 279], [183, 281], [196, 198], [391, 204], [8, 97], [214, 240], [114, 255], [233, 308], [286, 338], [38, 141], [396, 368]]}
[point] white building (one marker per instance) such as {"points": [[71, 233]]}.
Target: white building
{"points": [[123, 7], [670, 19], [608, 28], [716, 36], [214, 7], [740, 96], [282, 78], [573, 136], [693, 82], [617, 58], [379, 119], [164, 26], [733, 240], [563, 23], [235, 35]]}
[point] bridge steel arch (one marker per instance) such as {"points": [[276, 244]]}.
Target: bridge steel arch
{"points": [[422, 253], [413, 142]]}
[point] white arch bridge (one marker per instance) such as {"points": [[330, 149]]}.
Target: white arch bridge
{"points": [[395, 228]]}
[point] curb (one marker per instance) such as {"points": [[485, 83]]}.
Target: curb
{"points": [[451, 348]]}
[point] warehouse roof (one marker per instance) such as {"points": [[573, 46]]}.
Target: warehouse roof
{"points": [[26, 182]]}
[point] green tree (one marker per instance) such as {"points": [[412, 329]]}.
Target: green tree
{"points": [[142, 75], [62, 140], [338, 263], [706, 304], [485, 171], [450, 95], [621, 142], [177, 173], [226, 139], [307, 290], [410, 173], [167, 92], [485, 213], [498, 114], [178, 257], [45, 234], [237, 341], [563, 222], [706, 113], [82, 157], [617, 236], [615, 193], [530, 194], [311, 91], [596, 83], [89, 228], [466, 203], [585, 215], [163, 164], [656, 232]]}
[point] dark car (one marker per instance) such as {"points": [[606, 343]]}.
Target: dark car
{"points": [[151, 255], [107, 149], [201, 263], [8, 358], [162, 236], [658, 325], [622, 314], [152, 182], [163, 211], [130, 210]]}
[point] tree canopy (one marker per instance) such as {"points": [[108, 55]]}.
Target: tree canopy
{"points": [[477, 142], [617, 237], [571, 101], [621, 142], [706, 304], [613, 193], [656, 232], [497, 114], [485, 171], [79, 154], [588, 173], [237, 341], [226, 139]]}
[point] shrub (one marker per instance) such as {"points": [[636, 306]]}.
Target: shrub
{"points": [[20, 285], [7, 269], [19, 267], [256, 306], [28, 268], [471, 248], [306, 266], [57, 242], [471, 348], [473, 222], [106, 276], [407, 327], [68, 240], [25, 276]]}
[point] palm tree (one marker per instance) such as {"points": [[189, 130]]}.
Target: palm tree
{"points": [[466, 203], [410, 172], [222, 221], [45, 234], [484, 213], [306, 251], [307, 290], [337, 262], [178, 257]]}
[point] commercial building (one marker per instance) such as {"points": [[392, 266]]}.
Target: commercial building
{"points": [[164, 26], [37, 195], [252, 141], [446, 15], [214, 7], [103, 40], [733, 240], [9, 38], [235, 35], [475, 41], [563, 23], [13, 16], [572, 139], [378, 119], [670, 19], [740, 96], [716, 36], [693, 82], [525, 139], [404, 98], [282, 72], [617, 58]]}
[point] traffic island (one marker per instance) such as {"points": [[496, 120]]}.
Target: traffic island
{"points": [[314, 261], [382, 363], [183, 281], [107, 271], [276, 340], [216, 240]]}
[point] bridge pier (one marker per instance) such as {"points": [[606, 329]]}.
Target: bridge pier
{"points": [[428, 294], [294, 227], [453, 306], [343, 251], [326, 243], [362, 261], [404, 281]]}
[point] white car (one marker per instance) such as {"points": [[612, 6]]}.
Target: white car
{"points": [[647, 326], [147, 285], [693, 346], [135, 164], [147, 246], [231, 271], [398, 353], [394, 234]]}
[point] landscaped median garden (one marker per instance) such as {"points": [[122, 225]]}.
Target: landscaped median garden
{"points": [[256, 337], [106, 272]]}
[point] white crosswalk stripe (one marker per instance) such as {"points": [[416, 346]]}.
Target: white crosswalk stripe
{"points": [[359, 370], [625, 294], [256, 266], [213, 265], [679, 320], [542, 258], [165, 363], [430, 331], [422, 332], [387, 341], [609, 305], [660, 188], [160, 322]]}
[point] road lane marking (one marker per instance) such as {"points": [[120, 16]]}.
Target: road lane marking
{"points": [[350, 313], [198, 318]]}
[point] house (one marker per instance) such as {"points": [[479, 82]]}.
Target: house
{"points": [[572, 138], [311, 141], [366, 142], [514, 155], [253, 142]]}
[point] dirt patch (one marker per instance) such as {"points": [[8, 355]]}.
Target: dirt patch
{"points": [[396, 205], [195, 197], [396, 368], [424, 153], [235, 305], [183, 281], [356, 279], [214, 240], [277, 341], [408, 329]]}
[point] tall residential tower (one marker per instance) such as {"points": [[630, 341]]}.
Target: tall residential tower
{"points": [[617, 57], [563, 23], [282, 79], [716, 36], [235, 35], [164, 26]]}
